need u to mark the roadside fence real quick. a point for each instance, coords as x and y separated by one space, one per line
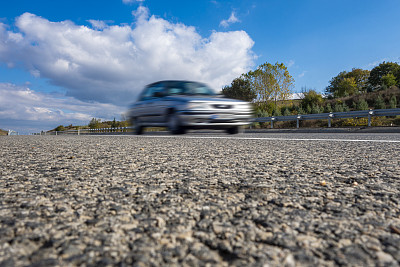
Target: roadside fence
115 130
332 115
322 116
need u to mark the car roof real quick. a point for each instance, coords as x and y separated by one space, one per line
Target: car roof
172 81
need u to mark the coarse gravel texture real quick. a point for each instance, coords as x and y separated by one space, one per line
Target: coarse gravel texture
140 201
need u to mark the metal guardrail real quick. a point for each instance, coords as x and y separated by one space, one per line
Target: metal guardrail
120 130
11 132
332 115
321 116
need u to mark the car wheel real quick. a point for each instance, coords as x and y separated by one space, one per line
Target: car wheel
138 128
174 124
233 130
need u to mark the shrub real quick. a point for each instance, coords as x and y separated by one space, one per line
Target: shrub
315 109
338 108
328 108
60 128
362 105
379 103
262 113
308 109
277 112
286 112
393 102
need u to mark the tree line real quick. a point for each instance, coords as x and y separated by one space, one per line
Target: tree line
270 86
94 124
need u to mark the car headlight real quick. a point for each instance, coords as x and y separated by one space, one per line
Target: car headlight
196 105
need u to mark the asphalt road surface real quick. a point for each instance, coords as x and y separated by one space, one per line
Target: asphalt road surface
202 199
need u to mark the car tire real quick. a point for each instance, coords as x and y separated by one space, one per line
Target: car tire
174 124
137 127
233 130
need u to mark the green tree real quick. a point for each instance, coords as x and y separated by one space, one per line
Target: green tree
393 102
315 109
261 113
328 108
338 108
376 79
286 112
60 128
240 88
362 104
348 83
114 123
308 109
94 123
347 86
389 80
379 103
271 82
300 110
311 97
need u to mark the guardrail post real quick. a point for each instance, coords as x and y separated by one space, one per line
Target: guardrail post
298 122
330 116
79 132
370 113
272 122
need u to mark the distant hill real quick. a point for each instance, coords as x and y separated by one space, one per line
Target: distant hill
2 132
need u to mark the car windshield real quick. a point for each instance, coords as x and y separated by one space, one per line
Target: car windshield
190 88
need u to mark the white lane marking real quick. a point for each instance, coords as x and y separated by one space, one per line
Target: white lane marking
267 138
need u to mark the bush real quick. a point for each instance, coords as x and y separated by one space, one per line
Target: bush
362 105
308 109
315 109
94 123
277 112
262 113
379 103
311 97
393 102
60 128
328 108
286 112
358 122
338 108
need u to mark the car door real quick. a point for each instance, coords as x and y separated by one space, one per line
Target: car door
151 104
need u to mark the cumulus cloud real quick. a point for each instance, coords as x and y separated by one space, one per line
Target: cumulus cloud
98 24
290 63
111 63
301 75
20 103
132 1
232 19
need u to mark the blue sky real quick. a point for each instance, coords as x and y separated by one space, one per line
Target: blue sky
64 62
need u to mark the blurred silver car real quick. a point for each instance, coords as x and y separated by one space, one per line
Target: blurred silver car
182 105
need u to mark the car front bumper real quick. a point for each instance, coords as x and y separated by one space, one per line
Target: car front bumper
213 120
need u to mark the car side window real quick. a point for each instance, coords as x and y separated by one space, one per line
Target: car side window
153 91
175 89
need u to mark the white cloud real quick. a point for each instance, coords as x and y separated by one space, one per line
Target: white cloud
301 75
132 1
19 103
98 24
290 63
232 19
111 63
